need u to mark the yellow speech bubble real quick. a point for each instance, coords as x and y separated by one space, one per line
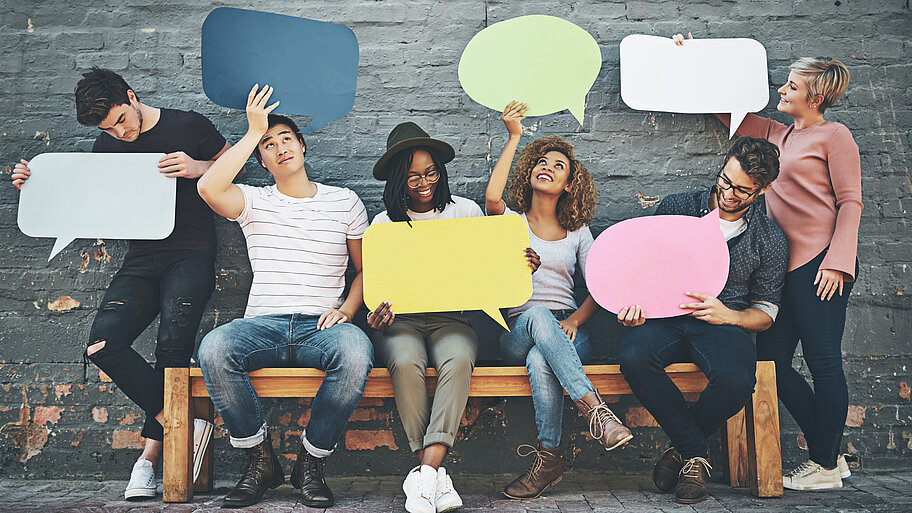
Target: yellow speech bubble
515 60
448 265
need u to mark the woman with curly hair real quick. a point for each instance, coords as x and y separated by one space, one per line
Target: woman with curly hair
554 193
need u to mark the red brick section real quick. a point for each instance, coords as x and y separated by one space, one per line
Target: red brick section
639 417
904 391
856 416
126 439
368 440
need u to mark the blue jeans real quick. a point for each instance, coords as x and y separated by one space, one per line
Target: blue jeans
229 352
726 354
820 412
553 362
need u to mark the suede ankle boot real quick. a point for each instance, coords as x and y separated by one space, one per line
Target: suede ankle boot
262 471
604 425
545 471
307 475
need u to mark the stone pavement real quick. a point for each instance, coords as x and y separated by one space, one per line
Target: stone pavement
578 492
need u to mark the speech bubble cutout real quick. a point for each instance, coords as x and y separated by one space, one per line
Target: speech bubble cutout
515 60
312 65
90 195
651 261
703 76
448 265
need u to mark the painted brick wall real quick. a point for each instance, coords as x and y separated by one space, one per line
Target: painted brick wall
55 424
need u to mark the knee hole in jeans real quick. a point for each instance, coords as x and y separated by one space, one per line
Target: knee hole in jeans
182 310
95 347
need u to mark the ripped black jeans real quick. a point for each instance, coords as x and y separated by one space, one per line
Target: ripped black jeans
175 284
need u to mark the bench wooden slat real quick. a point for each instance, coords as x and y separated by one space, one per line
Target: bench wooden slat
486 381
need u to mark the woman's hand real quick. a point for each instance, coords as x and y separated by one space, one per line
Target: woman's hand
512 117
679 39
257 111
532 258
631 316
570 327
330 318
828 281
21 173
382 317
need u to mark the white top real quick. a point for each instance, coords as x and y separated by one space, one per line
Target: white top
298 247
552 283
460 208
731 229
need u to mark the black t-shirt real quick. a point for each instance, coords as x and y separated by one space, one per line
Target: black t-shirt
195 135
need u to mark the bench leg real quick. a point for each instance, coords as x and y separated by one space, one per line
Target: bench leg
734 443
177 457
202 409
763 443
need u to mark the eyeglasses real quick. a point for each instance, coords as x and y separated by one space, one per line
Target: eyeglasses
431 176
739 192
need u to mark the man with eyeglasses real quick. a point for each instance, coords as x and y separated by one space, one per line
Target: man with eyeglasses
714 333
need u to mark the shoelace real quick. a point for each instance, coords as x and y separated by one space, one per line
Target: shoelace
447 485
598 417
537 465
805 468
690 468
314 471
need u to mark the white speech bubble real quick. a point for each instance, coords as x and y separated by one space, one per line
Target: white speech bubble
91 195
704 76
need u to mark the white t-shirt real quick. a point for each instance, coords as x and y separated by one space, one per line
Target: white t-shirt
552 283
460 208
298 247
731 229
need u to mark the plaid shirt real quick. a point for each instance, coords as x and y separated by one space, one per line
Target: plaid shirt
758 256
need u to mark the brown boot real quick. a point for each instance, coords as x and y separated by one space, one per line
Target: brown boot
262 471
545 471
666 471
691 485
603 423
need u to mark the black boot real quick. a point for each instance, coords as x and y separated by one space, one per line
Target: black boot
308 476
262 471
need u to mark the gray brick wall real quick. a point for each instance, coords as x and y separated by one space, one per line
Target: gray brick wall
54 424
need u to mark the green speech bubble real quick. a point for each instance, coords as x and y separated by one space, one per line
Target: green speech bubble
544 61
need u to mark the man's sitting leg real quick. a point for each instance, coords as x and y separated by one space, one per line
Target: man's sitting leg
226 355
345 353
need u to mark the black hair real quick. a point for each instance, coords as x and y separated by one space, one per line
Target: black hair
97 93
758 158
278 119
395 195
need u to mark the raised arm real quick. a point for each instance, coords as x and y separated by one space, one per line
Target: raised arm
215 187
512 117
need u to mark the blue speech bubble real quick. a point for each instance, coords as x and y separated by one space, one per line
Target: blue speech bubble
312 65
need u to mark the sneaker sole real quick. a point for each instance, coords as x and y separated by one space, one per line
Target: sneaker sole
139 494
845 475
447 509
199 453
821 486
622 442
558 480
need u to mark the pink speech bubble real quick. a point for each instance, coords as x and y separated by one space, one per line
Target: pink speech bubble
651 261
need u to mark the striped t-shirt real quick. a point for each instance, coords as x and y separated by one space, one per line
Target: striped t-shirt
297 247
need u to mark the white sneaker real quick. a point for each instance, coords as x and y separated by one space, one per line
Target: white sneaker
202 433
420 487
446 498
142 481
843 467
811 476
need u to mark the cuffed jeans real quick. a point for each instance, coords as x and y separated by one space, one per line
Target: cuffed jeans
820 412
175 284
554 364
449 342
725 354
230 351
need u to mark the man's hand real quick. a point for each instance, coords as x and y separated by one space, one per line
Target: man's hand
20 174
631 316
570 327
828 281
679 39
180 165
258 111
330 318
382 317
534 262
711 310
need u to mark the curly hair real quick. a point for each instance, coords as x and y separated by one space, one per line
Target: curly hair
758 158
574 208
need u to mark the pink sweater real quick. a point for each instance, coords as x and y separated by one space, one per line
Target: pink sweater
816 199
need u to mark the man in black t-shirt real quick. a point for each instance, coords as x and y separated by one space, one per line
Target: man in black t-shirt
174 277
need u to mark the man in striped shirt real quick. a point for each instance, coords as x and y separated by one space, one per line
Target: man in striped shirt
300 236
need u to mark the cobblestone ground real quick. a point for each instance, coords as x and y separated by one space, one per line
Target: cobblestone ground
578 492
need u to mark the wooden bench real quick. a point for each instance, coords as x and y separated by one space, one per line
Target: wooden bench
752 436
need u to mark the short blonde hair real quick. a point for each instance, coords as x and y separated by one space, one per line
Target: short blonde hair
826 77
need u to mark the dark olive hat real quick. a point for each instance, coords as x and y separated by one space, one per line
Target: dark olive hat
408 135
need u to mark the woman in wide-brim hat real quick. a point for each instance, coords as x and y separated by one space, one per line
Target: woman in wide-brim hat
414 168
